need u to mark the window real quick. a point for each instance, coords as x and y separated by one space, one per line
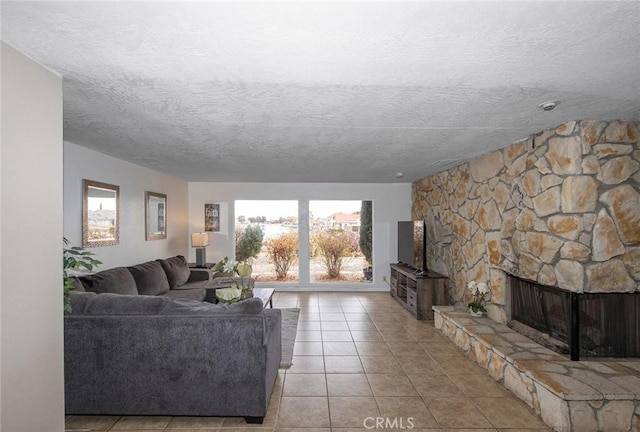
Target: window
267 234
340 241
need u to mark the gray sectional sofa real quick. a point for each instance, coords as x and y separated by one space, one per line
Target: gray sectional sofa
169 277
139 354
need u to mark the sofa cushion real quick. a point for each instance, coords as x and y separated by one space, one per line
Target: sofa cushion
177 270
117 304
249 306
78 286
117 280
189 294
79 300
150 278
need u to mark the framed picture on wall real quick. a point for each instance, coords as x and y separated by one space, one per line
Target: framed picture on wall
156 216
212 217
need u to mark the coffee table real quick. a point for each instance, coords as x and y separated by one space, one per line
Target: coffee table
264 294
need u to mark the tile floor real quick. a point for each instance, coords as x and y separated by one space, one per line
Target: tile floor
359 359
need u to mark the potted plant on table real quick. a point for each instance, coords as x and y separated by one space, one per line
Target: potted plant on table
241 286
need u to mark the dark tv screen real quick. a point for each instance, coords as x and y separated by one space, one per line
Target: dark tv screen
411 244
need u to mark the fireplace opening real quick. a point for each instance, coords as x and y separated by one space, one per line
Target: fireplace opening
581 325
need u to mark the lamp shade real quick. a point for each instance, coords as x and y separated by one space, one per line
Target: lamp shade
200 239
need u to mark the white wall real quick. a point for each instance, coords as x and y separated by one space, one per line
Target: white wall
82 163
391 203
31 344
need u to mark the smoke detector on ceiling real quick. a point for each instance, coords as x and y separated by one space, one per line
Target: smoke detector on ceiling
548 106
399 174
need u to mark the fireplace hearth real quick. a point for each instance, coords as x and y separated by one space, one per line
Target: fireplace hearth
591 325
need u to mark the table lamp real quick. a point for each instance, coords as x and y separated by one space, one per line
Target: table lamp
200 241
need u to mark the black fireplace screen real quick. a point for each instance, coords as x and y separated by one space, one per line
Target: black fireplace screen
606 325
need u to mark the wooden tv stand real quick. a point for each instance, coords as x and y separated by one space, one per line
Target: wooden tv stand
418 293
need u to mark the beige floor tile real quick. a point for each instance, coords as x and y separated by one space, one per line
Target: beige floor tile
479 386
339 348
433 386
478 430
354 309
460 366
332 317
302 412
305 385
303 429
456 413
348 385
419 365
380 364
246 428
378 316
371 427
195 423
141 422
335 325
90 422
308 317
391 385
306 364
397 336
352 411
366 336
508 413
137 430
343 364
308 325
428 336
325 310
410 410
307 348
362 326
357 317
440 349
545 429
336 336
406 348
373 349
309 336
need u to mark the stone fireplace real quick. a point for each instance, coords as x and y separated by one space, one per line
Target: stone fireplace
561 209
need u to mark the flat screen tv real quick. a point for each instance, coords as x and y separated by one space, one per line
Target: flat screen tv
412 245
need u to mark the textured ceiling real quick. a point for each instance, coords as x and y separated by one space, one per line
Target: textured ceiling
326 92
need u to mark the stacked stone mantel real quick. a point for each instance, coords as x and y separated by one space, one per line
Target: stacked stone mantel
561 208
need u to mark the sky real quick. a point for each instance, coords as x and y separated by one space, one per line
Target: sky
282 208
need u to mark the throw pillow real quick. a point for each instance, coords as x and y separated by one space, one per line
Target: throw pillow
116 280
150 278
177 270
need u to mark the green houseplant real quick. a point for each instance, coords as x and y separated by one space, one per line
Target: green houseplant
479 291
74 258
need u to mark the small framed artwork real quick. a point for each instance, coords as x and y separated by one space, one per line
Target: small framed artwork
212 217
156 216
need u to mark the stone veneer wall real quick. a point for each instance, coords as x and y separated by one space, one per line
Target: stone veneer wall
561 208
